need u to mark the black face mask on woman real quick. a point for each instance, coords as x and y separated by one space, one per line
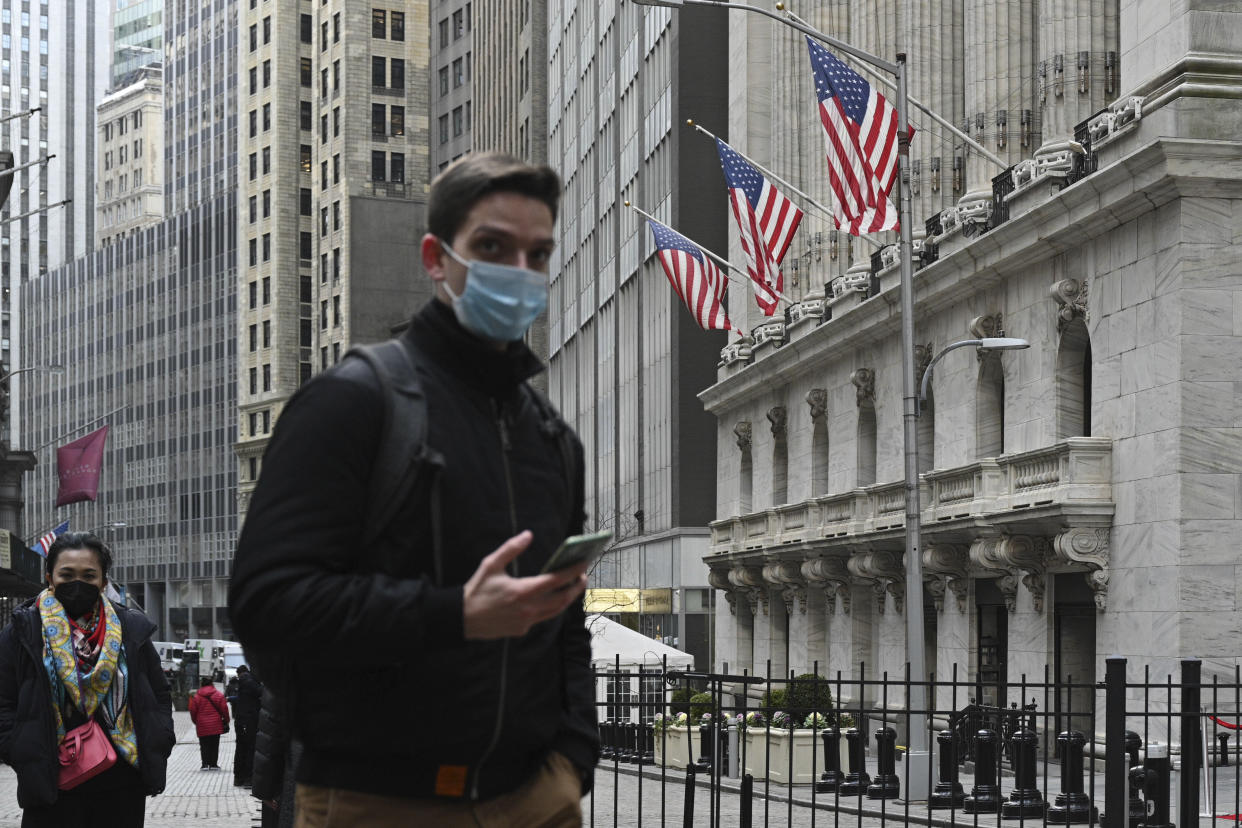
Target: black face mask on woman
77 597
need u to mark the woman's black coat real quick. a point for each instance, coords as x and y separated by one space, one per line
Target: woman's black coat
27 726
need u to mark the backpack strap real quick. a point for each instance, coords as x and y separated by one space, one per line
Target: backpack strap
403 435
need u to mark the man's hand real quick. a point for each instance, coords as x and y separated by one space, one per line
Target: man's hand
497 605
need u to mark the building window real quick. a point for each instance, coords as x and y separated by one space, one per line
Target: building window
1073 382
377 165
267 203
397 73
267 30
307 73
336 169
267 257
254 37
267 290
254 338
990 407
398 25
444 33
254 209
398 167
444 81
377 71
267 333
443 129
459 75
323 36
267 160
377 119
866 445
323 223
323 315
323 175
323 268
396 120
336 76
306 117
254 166
336 121
336 311
336 28
267 376
254 295
379 23
336 215
459 25
323 82
254 389
306 201
254 123
305 244
267 74
457 122
336 264
305 153
254 79
323 128
267 117
308 29
254 258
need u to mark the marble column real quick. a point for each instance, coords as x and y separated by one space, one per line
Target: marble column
1077 66
1000 44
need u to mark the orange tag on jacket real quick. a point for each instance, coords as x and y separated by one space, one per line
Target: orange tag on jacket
451 780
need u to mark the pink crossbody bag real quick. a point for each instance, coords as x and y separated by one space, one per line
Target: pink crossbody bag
86 752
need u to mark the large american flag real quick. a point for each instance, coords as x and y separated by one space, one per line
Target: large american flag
694 276
861 131
767 220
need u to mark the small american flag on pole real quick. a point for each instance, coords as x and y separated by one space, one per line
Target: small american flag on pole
45 542
861 131
767 221
694 276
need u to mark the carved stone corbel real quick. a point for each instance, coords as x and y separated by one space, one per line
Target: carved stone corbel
786 576
922 358
742 432
947 565
830 575
1071 298
1028 554
778 418
749 582
718 578
864 385
983 327
884 572
1008 585
1087 547
988 562
817 399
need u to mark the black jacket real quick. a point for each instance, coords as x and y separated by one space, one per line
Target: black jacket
28 726
246 700
386 688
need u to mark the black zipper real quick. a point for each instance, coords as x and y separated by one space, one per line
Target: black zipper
505 447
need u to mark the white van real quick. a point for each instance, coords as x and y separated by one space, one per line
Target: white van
233 658
170 656
210 655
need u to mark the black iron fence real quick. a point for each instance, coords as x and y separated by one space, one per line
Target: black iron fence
711 749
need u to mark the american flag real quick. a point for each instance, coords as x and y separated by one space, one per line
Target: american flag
694 276
767 220
861 131
45 542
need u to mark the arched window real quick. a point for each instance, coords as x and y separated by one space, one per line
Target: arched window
866 443
746 471
927 433
780 456
990 408
1073 381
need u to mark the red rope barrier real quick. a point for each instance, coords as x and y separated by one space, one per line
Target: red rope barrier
1224 724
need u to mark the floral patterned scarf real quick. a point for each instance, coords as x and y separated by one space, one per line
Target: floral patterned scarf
98 688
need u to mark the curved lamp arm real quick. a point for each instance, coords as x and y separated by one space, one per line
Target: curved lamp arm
993 343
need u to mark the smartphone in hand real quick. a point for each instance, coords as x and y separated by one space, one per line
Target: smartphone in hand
577 548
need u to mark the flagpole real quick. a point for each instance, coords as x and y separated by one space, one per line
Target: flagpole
805 28
690 122
719 259
84 425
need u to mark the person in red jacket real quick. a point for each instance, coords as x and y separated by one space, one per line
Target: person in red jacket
210 714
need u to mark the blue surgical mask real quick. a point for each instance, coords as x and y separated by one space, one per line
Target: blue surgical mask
499 302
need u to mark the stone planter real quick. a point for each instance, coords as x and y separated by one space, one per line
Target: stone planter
755 756
670 747
804 745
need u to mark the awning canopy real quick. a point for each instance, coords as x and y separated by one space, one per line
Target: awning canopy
610 640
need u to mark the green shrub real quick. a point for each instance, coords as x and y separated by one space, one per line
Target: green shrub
680 701
806 695
774 700
700 703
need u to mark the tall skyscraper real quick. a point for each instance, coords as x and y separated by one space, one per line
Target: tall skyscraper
146 331
333 181
452 75
626 358
137 37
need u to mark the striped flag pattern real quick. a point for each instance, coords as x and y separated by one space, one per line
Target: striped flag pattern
860 127
767 221
694 276
45 542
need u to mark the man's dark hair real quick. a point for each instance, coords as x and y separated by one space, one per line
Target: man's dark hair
468 179
79 540
206 682
242 668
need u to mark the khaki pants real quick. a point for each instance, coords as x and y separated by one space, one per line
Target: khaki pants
552 799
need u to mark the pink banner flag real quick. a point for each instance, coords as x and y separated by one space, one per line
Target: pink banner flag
78 465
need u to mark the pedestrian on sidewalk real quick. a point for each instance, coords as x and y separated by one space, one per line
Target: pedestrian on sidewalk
380 575
245 701
69 657
210 714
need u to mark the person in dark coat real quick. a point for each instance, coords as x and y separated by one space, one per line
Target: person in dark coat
276 755
246 699
67 656
210 714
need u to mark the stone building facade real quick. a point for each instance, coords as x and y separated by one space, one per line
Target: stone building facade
1079 498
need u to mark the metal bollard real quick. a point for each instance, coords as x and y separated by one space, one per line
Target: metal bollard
985 795
886 784
1153 778
1138 811
1223 738
646 740
1025 800
832 775
948 792
747 797
605 739
735 751
687 812
857 780
704 762
1072 806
